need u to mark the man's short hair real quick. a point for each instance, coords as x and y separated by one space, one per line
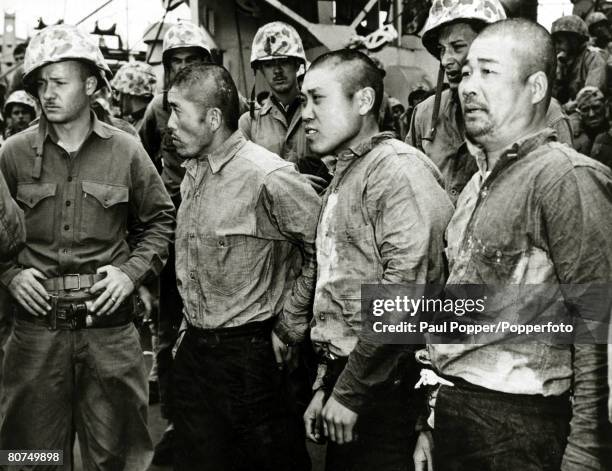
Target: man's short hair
20 49
533 43
211 86
357 71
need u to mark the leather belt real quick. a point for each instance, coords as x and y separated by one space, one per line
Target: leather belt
228 333
72 282
75 316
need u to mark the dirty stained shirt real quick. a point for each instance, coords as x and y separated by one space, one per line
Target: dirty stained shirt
541 217
382 221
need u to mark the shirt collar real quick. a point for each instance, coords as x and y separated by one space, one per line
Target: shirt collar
266 106
272 101
519 149
365 146
222 155
46 131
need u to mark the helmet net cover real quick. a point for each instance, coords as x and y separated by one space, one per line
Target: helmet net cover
59 43
276 40
135 78
184 35
444 12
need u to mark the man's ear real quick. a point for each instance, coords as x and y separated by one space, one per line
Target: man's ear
538 84
215 118
91 84
365 100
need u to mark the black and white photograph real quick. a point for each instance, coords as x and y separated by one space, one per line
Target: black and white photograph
305 235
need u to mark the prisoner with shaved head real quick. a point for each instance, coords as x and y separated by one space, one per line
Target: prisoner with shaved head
451 27
245 269
536 213
383 220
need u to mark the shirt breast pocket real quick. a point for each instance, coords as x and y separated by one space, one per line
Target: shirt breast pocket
358 245
498 265
104 211
226 263
38 203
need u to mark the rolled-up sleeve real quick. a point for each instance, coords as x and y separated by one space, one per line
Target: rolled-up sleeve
294 208
577 212
152 219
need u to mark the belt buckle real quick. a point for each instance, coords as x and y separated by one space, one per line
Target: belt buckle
72 275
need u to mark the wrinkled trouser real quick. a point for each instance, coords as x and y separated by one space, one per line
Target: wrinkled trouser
485 430
232 408
90 381
385 427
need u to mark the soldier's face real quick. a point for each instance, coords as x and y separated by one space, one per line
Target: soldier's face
601 30
20 116
566 46
593 113
131 103
280 74
494 97
332 119
453 44
190 132
64 91
182 57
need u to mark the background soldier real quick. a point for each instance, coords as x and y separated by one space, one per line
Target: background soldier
183 44
450 29
74 361
246 218
590 119
19 111
135 84
17 76
599 29
277 52
578 65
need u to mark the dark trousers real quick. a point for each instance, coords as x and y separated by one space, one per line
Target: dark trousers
232 409
484 430
169 319
89 381
385 429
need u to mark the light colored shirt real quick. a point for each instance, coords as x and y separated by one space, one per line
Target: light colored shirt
245 239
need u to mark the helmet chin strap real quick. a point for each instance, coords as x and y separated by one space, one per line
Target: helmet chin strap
436 108
252 102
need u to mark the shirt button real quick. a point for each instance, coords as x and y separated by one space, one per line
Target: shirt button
453 192
66 227
69 179
68 203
